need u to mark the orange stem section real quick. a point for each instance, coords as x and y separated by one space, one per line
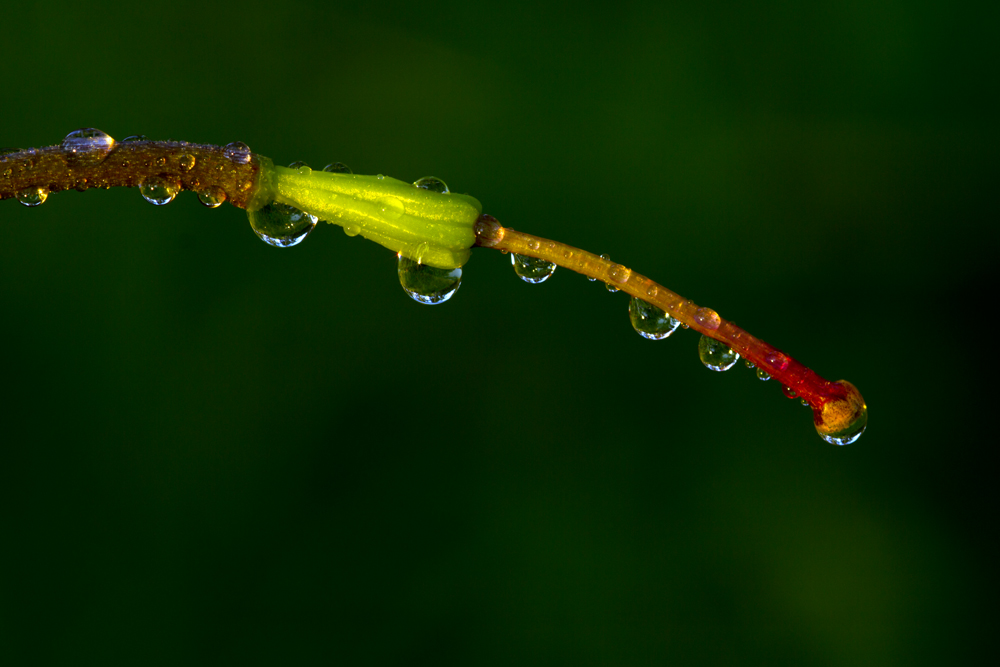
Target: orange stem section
833 403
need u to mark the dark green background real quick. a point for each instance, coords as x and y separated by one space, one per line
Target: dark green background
215 451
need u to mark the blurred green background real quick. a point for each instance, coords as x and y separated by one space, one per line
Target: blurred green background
218 451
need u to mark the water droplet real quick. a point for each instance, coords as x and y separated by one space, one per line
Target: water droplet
186 162
237 152
619 274
849 434
763 375
777 360
531 269
652 291
160 161
133 137
87 146
159 190
803 402
282 225
7 172
707 318
390 208
352 230
650 321
81 185
33 196
433 184
789 392
212 196
337 168
380 177
749 364
716 356
428 284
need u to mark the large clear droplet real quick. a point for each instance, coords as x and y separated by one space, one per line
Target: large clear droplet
428 284
238 152
159 190
531 269
33 196
433 184
87 146
849 434
649 321
715 355
282 225
212 196
337 168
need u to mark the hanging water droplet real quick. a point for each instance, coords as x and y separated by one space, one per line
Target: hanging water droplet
391 208
133 137
282 225
428 284
237 152
159 190
789 392
531 269
716 356
763 375
649 321
352 230
337 168
849 434
87 146
433 184
749 364
707 318
803 402
33 196
186 162
212 196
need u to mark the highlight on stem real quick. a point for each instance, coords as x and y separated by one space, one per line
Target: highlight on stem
431 229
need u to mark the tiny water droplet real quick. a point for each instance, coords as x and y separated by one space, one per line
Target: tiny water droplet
749 364
533 244
763 375
282 225
237 152
7 172
803 402
707 318
87 146
159 190
789 392
428 284
391 208
133 137
352 230
777 360
160 161
33 196
607 257
81 185
531 269
212 196
186 162
337 168
716 356
380 177
433 184
652 291
649 321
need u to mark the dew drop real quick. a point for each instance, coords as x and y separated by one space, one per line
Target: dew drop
212 196
352 230
652 291
716 356
303 168
337 168
789 392
237 152
803 402
391 208
707 318
428 284
777 359
849 434
531 269
87 146
650 321
433 184
33 196
619 274
186 162
159 190
380 177
281 225
133 137
763 375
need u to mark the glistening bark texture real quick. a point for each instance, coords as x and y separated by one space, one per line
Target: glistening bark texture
194 166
